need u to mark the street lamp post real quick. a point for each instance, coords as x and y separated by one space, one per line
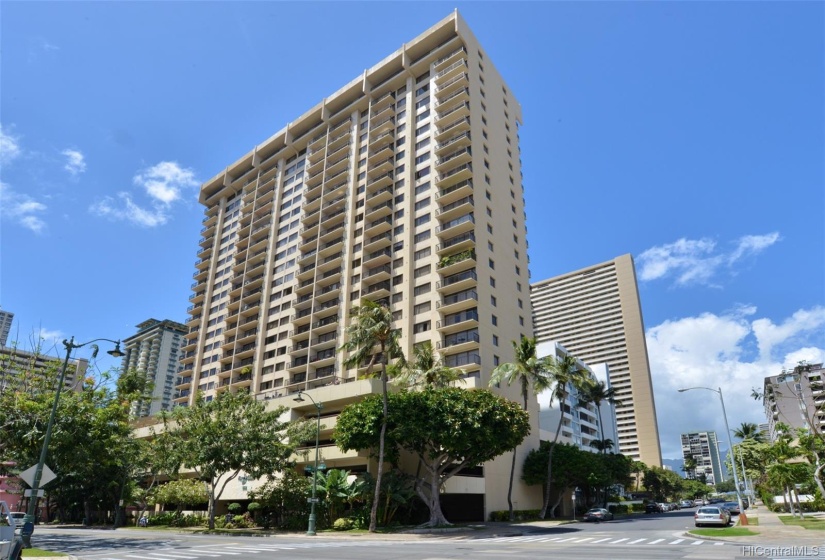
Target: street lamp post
38 473
743 519
312 501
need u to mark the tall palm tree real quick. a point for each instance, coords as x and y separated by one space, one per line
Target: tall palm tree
596 394
370 338
690 467
426 369
749 430
563 373
603 445
526 370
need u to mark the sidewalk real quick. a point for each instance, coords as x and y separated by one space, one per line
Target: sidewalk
771 530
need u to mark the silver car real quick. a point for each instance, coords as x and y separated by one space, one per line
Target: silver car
711 515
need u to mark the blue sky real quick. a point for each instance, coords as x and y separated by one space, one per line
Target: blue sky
687 134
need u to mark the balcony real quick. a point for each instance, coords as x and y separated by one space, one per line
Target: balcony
460 281
381 166
377 291
453 143
380 196
457 243
383 102
378 211
380 181
451 129
462 359
459 156
378 227
379 154
453 111
445 102
455 192
197 296
377 258
458 321
454 69
377 242
450 58
381 140
455 175
383 272
457 262
456 226
459 341
382 125
456 208
457 81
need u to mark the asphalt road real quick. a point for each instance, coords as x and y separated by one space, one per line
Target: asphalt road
655 536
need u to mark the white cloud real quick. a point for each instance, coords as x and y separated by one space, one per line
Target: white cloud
716 351
129 211
9 147
21 208
697 261
75 162
164 181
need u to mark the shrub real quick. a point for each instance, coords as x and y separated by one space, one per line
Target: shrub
519 514
234 508
343 524
618 508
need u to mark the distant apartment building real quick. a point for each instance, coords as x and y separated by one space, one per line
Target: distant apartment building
403 187
18 368
580 423
596 314
703 449
6 318
155 351
795 398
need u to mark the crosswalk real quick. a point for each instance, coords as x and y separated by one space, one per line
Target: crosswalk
613 540
234 550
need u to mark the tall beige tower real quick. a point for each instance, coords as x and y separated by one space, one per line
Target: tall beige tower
596 314
403 187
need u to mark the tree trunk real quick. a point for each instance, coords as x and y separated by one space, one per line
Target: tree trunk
818 481
211 509
549 484
512 516
789 500
798 503
436 515
379 475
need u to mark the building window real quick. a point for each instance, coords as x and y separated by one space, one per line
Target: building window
492 282
495 321
493 301
496 360
422 308
495 340
422 289
424 326
491 263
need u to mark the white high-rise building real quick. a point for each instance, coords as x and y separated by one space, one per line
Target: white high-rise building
155 351
6 318
703 448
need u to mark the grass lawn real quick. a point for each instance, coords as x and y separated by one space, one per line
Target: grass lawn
724 532
813 523
39 553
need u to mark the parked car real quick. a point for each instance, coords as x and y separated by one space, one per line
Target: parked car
686 504
699 502
711 515
597 514
732 507
653 507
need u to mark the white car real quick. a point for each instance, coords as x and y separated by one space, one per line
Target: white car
711 515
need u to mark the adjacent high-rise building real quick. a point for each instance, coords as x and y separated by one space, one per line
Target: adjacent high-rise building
795 398
19 367
403 187
595 313
702 450
6 318
155 352
586 425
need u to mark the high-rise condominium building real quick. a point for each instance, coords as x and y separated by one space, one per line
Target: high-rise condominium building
403 187
155 351
18 368
795 397
703 449
583 424
6 318
596 314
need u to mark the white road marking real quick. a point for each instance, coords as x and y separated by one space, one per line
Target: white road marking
696 542
637 541
656 541
677 541
583 540
601 540
619 540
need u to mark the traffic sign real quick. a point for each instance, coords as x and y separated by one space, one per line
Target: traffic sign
45 477
313 500
28 493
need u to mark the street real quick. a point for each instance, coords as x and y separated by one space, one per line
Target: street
653 536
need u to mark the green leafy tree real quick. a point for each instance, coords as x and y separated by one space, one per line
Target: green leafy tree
283 501
527 371
689 467
180 493
370 339
562 373
453 429
233 433
597 393
749 430
665 485
426 369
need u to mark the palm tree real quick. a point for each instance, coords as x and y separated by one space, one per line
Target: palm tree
749 430
562 373
425 369
526 370
603 445
637 468
690 467
371 327
596 394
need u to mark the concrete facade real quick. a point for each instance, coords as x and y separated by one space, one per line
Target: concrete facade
6 318
704 448
155 352
795 397
403 187
18 367
596 314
